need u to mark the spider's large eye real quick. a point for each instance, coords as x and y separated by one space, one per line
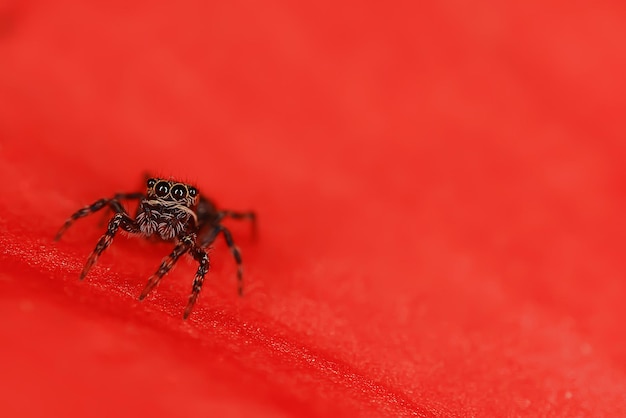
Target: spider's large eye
179 192
151 182
162 189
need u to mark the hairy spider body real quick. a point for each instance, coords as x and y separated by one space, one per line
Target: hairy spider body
170 211
167 219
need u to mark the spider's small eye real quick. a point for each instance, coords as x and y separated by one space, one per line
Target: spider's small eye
151 182
162 189
193 192
179 192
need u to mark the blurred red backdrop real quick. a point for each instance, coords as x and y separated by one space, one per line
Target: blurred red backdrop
440 191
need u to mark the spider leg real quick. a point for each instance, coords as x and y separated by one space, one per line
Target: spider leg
202 258
113 203
121 196
208 240
130 196
166 265
241 215
210 237
120 219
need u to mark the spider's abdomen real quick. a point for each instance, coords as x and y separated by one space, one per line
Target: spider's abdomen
165 219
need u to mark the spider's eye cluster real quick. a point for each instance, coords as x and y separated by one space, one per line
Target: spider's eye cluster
162 189
171 191
179 192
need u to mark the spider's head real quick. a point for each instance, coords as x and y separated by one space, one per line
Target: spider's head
171 191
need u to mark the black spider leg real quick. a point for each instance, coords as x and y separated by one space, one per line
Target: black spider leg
166 265
241 215
113 203
202 258
208 240
121 219
122 196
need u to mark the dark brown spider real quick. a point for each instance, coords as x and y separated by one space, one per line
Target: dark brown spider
168 211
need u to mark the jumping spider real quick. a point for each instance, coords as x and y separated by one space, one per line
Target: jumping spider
168 211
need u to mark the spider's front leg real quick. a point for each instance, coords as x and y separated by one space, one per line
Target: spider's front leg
119 197
121 219
166 265
186 244
113 203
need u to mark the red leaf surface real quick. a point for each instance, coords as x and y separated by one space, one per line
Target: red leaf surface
440 191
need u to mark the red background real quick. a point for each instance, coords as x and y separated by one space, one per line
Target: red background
440 192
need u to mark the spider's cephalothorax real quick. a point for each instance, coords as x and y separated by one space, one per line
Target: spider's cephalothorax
167 209
170 211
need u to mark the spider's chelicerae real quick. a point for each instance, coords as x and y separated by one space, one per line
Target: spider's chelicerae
169 211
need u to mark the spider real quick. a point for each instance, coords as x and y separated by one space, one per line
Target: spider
168 211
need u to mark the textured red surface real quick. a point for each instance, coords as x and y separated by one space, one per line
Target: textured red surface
440 191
